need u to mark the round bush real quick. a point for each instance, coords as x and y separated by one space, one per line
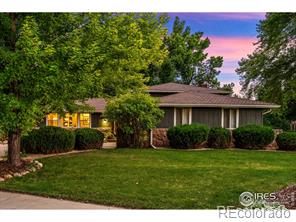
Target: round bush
253 136
87 138
219 138
187 136
286 141
48 139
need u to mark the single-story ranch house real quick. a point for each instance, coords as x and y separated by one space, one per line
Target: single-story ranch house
183 104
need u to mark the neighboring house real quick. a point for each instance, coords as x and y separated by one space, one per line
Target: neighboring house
183 104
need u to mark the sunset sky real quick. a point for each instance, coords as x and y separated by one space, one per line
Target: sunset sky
231 34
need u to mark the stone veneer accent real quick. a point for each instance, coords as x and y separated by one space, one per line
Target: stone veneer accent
160 138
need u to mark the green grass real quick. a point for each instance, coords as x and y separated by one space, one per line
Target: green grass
170 179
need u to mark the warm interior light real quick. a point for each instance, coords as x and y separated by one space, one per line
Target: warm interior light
104 123
84 120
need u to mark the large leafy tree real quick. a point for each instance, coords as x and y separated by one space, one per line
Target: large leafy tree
121 46
269 73
187 61
48 62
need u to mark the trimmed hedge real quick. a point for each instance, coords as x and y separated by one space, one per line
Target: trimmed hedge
87 138
187 136
286 141
48 139
219 138
253 136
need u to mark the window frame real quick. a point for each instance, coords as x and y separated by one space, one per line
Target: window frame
48 120
81 121
230 118
68 115
183 110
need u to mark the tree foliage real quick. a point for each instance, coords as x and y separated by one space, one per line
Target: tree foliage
48 62
187 61
118 47
227 87
269 73
134 115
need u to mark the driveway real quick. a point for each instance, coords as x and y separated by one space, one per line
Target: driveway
23 201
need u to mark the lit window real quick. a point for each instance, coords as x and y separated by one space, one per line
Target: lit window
53 119
84 120
70 120
182 116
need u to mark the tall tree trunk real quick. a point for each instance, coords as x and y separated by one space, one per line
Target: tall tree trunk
14 143
14 136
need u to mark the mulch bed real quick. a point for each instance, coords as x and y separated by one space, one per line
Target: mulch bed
6 168
287 197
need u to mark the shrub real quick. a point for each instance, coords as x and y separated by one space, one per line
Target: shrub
286 141
219 138
253 136
276 121
87 138
134 114
48 139
187 136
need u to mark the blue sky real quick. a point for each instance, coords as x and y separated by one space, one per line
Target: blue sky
231 34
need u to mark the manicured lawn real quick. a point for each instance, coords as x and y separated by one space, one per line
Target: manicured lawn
159 179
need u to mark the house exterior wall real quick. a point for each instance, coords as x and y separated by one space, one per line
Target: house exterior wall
168 118
208 116
95 118
249 116
212 117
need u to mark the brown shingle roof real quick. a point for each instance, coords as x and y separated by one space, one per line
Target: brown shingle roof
98 103
177 87
198 99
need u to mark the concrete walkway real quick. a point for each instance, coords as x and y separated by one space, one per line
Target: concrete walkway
10 200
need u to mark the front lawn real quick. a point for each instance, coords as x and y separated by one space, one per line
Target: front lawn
170 179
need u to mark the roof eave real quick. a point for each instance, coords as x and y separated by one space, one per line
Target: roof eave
164 91
219 105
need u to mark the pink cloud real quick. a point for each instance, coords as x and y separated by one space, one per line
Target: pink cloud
220 16
231 48
238 16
